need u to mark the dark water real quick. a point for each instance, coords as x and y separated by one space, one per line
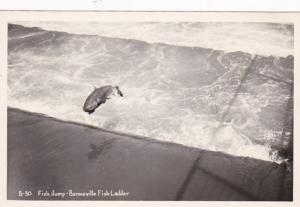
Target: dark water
234 102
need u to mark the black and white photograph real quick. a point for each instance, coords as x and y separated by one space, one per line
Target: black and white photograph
150 110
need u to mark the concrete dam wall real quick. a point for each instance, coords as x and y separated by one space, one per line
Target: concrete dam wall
49 159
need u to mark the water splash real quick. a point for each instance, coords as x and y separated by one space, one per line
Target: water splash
178 94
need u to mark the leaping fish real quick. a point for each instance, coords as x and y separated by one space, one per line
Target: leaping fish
99 96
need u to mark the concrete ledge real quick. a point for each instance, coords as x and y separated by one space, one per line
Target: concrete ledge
46 154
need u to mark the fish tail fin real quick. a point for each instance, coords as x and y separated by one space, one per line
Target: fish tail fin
119 92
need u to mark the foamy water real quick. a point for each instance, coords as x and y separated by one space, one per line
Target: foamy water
256 38
185 95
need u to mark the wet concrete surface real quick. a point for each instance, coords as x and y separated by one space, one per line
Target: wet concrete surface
49 156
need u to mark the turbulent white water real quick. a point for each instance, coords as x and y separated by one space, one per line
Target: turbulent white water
189 95
255 38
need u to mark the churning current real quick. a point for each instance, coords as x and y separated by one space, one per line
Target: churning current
230 101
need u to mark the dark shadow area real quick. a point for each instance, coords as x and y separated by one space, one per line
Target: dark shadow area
99 149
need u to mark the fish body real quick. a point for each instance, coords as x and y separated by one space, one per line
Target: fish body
98 97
